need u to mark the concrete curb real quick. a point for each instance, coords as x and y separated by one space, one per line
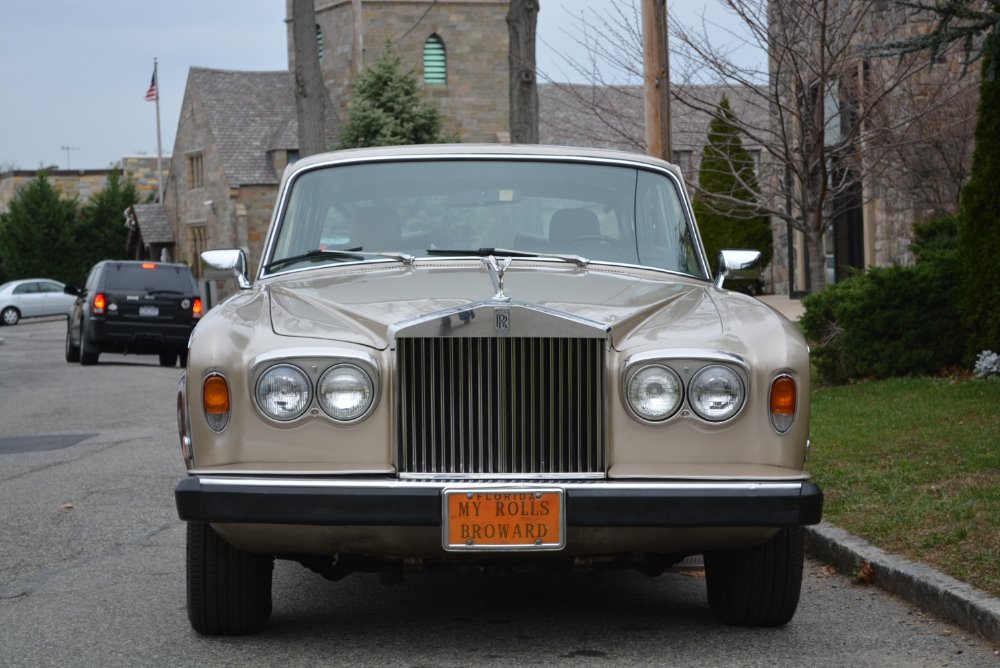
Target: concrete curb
939 594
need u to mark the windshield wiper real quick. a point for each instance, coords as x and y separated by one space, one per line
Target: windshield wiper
348 254
507 252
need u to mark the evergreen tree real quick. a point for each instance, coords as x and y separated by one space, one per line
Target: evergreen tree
36 233
979 219
100 233
725 204
386 110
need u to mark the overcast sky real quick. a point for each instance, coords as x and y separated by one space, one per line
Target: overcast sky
73 73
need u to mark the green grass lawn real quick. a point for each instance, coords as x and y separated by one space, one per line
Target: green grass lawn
913 466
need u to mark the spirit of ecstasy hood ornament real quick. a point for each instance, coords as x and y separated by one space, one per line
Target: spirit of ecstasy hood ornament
497 269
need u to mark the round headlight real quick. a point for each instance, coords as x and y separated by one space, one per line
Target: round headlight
345 392
716 393
283 392
654 392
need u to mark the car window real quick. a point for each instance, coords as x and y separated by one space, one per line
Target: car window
26 288
603 212
146 277
49 286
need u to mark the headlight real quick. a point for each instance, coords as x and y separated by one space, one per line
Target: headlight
283 392
654 392
345 392
716 393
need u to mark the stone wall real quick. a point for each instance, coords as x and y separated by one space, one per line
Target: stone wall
143 172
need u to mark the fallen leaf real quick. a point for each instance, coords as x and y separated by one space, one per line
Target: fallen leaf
67 505
866 575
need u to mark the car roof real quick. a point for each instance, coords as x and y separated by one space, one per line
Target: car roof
508 151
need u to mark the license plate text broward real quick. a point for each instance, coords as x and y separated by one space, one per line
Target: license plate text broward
503 520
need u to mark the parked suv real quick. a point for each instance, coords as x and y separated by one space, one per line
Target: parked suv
142 308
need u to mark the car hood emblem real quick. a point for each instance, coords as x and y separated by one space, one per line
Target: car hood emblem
497 268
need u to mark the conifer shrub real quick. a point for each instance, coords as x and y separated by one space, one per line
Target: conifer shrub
891 321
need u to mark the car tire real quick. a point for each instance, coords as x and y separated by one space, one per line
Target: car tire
168 359
10 316
88 351
228 590
757 586
182 356
72 349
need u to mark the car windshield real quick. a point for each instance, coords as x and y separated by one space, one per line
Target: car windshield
604 213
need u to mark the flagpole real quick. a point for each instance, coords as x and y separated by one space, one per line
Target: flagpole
159 145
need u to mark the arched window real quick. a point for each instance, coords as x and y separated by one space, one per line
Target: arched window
435 63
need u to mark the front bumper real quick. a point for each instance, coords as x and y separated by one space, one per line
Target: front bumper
389 502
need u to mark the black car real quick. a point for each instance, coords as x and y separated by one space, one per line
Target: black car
142 308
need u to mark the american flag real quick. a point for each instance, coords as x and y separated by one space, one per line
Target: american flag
151 94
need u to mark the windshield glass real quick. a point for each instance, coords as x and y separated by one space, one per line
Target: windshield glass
601 212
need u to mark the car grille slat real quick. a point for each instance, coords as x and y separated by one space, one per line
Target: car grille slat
500 406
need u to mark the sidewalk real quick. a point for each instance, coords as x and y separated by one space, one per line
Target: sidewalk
788 307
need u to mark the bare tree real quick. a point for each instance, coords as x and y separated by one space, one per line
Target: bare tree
312 99
522 17
828 117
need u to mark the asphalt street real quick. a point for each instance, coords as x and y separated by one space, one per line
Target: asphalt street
92 566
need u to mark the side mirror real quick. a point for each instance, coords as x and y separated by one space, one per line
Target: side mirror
223 264
72 290
738 264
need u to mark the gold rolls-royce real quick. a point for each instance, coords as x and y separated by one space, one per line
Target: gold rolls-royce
463 354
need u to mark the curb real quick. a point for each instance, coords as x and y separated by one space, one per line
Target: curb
935 592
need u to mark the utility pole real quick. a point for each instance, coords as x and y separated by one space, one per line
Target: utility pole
68 149
522 20
656 78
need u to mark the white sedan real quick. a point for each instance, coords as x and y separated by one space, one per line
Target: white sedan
33 298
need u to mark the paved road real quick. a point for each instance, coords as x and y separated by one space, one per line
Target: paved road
92 571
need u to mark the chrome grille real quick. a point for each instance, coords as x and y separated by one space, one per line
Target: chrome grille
504 406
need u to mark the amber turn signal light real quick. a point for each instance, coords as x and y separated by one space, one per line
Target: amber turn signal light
215 401
782 403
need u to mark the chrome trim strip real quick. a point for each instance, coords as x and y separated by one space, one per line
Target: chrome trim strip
520 477
305 483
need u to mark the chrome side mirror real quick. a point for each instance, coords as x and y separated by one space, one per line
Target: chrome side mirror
738 264
223 264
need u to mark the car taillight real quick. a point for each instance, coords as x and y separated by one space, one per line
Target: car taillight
100 302
148 265
196 308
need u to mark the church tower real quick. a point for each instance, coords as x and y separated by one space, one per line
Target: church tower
457 49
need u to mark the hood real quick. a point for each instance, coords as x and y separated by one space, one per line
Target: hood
359 303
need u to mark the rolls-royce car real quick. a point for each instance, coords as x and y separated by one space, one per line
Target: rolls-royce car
491 357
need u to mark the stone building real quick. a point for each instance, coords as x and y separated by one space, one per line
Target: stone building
457 48
79 183
236 134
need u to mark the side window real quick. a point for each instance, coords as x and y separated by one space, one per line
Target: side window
26 288
435 62
196 171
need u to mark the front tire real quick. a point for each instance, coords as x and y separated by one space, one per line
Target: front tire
10 316
72 349
228 590
757 586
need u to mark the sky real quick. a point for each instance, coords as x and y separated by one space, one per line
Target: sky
74 73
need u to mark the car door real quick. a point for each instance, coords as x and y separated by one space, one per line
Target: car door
29 300
52 299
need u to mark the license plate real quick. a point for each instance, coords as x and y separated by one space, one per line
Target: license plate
149 311
504 519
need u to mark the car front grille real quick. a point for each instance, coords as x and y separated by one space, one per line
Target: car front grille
500 406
